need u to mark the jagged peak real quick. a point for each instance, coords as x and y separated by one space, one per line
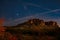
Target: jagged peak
39 22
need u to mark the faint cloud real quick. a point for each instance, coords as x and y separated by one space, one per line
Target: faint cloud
23 19
36 5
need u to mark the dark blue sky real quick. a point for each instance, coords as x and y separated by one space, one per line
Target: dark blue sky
13 9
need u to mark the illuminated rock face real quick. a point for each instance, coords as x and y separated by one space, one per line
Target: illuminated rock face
33 21
36 22
51 23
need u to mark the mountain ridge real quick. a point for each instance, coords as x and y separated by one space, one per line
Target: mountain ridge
36 24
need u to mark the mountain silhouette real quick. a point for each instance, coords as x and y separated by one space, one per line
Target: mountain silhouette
35 25
36 28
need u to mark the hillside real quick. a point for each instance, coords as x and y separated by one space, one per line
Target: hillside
37 28
36 25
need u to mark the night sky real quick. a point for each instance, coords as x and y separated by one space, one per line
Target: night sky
20 9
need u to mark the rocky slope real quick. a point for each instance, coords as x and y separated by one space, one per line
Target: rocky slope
36 27
36 24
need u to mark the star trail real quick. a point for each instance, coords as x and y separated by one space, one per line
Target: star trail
17 9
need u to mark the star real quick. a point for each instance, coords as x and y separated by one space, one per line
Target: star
17 14
25 8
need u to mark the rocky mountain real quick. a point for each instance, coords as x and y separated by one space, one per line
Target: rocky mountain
36 25
36 29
